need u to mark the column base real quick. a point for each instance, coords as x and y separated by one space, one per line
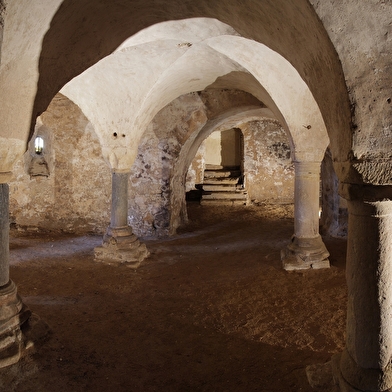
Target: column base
352 378
19 328
320 377
121 246
305 253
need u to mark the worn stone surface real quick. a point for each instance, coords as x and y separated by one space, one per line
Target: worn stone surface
196 169
320 377
13 314
157 182
269 173
76 195
125 250
366 63
305 253
267 167
218 102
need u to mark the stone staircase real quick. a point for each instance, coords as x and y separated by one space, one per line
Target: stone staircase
221 186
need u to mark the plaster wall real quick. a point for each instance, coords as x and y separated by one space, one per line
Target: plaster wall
231 147
213 147
80 34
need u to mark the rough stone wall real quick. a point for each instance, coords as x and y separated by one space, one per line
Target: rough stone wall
363 42
157 178
76 195
269 173
218 101
196 169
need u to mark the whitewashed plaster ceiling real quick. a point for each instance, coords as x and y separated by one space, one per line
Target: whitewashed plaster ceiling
122 93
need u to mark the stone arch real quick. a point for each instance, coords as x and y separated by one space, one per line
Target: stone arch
69 42
235 61
231 119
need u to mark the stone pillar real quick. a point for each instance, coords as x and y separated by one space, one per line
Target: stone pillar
119 244
4 235
13 313
365 364
306 249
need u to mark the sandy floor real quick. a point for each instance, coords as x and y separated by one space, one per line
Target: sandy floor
210 310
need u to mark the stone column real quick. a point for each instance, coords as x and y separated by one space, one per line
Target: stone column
306 249
365 364
119 244
13 313
4 235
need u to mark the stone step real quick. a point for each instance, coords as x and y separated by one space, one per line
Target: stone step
224 196
219 187
221 173
212 202
221 181
220 167
213 167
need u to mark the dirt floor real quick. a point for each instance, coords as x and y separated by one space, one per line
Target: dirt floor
210 310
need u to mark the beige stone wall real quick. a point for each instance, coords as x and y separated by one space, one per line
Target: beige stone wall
76 195
269 173
223 148
268 170
213 155
157 182
196 169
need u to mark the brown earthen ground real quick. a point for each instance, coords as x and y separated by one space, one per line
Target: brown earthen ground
210 310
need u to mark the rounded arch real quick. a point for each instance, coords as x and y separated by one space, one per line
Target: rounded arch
120 97
233 118
77 34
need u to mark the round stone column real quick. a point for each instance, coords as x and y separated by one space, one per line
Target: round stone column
13 313
4 235
306 249
119 244
365 364
119 210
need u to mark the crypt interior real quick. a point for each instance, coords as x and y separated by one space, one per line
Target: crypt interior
195 195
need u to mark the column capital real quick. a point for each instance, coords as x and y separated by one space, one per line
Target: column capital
309 156
307 168
5 177
365 192
364 172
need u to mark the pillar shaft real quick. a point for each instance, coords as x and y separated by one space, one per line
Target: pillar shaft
306 199
13 313
119 244
366 361
4 234
119 210
306 249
